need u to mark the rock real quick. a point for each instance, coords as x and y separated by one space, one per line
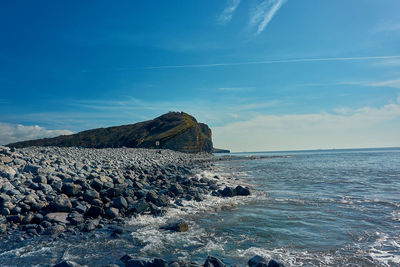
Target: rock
40 179
67 264
91 225
213 262
159 263
37 218
90 195
176 189
139 207
96 184
7 172
14 218
94 211
71 189
136 263
120 203
257 261
61 204
3 228
75 218
242 191
274 263
126 258
174 264
31 168
178 226
151 196
228 192
58 217
55 230
112 212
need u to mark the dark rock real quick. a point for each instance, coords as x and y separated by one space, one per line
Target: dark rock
94 211
112 212
159 263
14 218
71 189
242 191
176 189
178 226
151 196
257 261
75 218
274 263
228 192
120 203
37 218
61 204
90 195
67 264
213 262
162 201
139 207
136 263
126 258
174 264
41 179
96 184
91 225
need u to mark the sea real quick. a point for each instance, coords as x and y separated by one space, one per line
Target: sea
308 208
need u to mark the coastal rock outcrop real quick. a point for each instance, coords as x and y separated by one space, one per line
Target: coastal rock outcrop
177 131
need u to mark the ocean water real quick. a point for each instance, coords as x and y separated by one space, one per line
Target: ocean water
308 208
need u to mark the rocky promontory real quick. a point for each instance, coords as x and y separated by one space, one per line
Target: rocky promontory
177 131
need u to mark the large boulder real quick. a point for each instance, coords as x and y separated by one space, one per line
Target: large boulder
61 203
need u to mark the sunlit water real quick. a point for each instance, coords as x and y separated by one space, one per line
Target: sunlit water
317 208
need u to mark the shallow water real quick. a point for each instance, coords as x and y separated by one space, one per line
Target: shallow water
318 208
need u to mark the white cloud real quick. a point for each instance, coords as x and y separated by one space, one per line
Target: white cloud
366 127
264 12
393 83
228 12
10 133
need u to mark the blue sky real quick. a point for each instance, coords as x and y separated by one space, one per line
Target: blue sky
264 75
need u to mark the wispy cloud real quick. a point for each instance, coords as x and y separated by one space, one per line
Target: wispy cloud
235 89
278 61
17 132
392 83
228 12
387 27
263 14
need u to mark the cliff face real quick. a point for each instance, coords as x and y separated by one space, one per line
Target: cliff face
174 130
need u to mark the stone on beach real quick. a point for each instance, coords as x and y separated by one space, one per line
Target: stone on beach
178 226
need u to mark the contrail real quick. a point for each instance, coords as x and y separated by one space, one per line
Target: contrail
272 62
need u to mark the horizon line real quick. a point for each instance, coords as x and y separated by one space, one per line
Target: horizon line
295 60
316 149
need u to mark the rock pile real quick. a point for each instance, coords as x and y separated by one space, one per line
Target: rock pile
52 190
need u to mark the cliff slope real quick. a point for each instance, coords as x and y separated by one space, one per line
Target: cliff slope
174 130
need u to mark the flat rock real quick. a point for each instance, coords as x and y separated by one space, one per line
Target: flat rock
59 217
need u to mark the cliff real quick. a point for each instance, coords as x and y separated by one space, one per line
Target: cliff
174 130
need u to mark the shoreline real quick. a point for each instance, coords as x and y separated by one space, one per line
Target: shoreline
59 192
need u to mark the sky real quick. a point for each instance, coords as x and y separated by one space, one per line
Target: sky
264 75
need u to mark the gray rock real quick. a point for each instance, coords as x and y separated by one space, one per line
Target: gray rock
58 217
112 212
139 207
120 203
61 204
96 184
213 262
91 225
178 226
3 228
71 189
159 263
90 195
55 230
152 196
257 261
136 263
7 172
176 189
40 179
